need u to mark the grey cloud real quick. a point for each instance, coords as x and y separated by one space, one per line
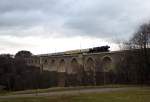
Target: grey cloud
98 18
108 19
23 5
24 15
20 18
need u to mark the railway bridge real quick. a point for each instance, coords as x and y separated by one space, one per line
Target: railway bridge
73 69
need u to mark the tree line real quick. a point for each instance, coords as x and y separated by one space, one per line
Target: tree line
15 74
135 67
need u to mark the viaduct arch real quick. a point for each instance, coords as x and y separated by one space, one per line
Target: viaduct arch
75 66
61 73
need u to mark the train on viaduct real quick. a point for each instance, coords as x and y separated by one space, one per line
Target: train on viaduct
74 66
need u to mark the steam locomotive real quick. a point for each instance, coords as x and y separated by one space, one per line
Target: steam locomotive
99 49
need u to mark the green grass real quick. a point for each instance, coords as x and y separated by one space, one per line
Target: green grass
136 95
55 89
3 92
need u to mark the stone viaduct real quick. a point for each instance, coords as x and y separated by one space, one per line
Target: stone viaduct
93 65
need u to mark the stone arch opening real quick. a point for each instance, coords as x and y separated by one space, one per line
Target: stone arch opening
107 64
52 65
107 70
62 66
90 72
90 64
52 62
62 73
74 73
74 66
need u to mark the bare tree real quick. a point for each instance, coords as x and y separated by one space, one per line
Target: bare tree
140 42
141 38
136 63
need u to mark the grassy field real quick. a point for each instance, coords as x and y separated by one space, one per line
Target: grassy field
138 95
54 89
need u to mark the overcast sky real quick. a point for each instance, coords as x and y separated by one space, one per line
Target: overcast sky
45 26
